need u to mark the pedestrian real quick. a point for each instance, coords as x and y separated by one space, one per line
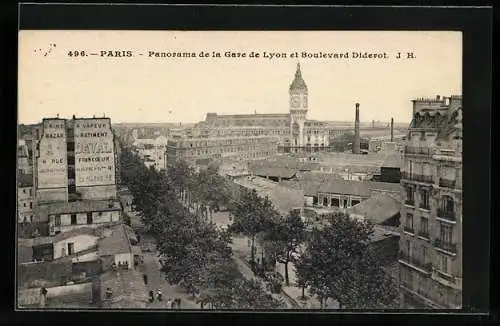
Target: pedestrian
151 296
172 304
169 303
178 302
158 293
145 277
43 291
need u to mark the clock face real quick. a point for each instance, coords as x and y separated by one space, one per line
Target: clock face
295 102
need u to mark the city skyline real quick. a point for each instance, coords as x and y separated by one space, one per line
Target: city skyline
140 89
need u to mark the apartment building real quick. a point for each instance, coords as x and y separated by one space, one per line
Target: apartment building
430 256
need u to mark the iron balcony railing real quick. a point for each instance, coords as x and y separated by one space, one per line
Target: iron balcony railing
410 202
423 234
409 229
445 276
417 177
418 150
446 214
415 261
447 183
447 246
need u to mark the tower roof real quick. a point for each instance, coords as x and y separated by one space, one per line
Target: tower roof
298 83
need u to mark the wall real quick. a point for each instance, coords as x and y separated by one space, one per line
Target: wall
52 166
49 273
390 175
52 195
81 219
90 257
25 197
98 192
32 296
387 249
94 152
81 242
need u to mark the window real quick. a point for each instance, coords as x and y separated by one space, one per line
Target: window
443 262
71 248
409 222
424 199
24 204
30 192
424 226
447 204
73 219
89 218
24 191
445 234
409 196
31 205
57 221
408 248
31 218
424 254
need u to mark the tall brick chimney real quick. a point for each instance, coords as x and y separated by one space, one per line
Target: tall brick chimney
356 145
392 130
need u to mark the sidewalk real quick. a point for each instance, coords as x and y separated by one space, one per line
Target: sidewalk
156 280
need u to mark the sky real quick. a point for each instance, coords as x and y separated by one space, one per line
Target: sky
144 89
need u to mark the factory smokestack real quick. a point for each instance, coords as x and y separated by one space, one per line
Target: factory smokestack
392 130
356 145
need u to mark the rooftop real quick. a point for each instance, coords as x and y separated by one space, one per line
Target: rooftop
393 161
83 206
84 230
345 187
377 209
283 198
115 241
285 173
381 234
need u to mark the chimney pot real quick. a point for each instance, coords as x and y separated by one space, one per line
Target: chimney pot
437 97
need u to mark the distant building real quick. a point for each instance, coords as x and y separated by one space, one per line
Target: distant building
23 158
65 216
294 132
25 198
431 217
221 149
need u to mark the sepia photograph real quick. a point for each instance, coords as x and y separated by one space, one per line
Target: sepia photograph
239 170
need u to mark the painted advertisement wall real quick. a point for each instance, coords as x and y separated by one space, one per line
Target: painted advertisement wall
52 163
94 152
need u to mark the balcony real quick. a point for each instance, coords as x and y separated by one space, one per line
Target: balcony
418 151
447 183
410 202
446 214
424 206
446 277
417 177
409 229
449 247
423 234
426 267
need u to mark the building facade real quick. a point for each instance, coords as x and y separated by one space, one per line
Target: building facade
431 218
25 198
75 160
221 149
294 131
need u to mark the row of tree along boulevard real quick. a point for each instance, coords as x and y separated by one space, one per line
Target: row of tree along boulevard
334 261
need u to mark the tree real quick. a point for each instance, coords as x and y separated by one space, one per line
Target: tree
304 272
251 216
344 266
286 235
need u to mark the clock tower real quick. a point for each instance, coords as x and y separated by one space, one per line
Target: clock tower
298 110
